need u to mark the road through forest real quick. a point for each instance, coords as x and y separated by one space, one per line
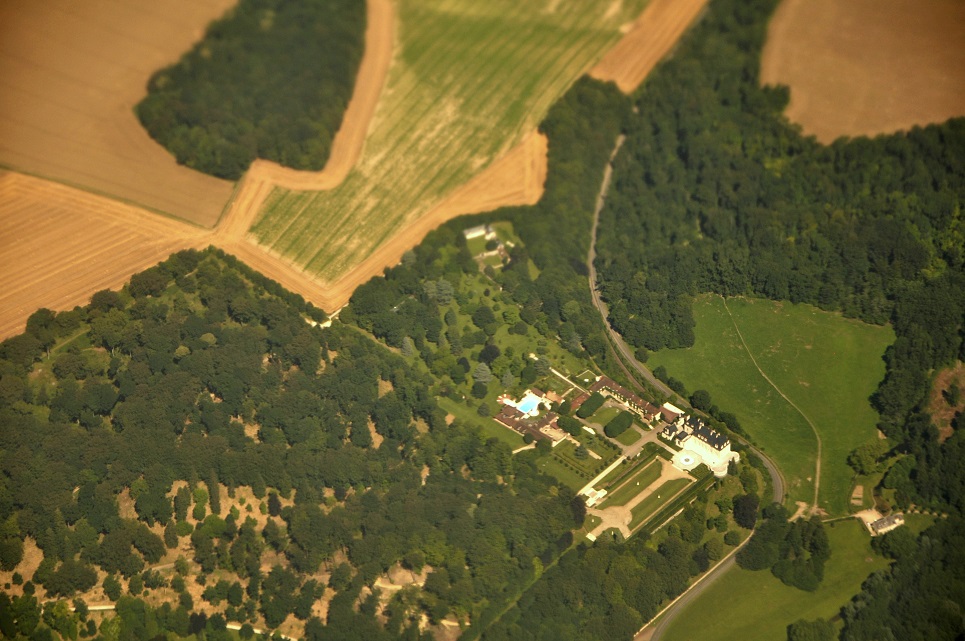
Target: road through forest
668 614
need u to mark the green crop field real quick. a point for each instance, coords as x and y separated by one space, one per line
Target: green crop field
758 607
826 364
469 79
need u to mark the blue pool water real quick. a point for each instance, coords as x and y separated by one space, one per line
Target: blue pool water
528 404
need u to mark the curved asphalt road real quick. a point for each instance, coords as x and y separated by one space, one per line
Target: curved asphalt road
654 633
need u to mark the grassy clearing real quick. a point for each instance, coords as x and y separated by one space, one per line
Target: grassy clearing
488 427
604 415
827 365
640 481
468 81
565 475
648 506
630 437
759 607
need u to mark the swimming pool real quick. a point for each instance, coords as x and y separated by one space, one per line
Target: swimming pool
529 403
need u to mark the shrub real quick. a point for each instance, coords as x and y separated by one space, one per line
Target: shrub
620 423
590 405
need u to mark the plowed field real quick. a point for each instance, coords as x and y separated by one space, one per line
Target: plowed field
60 245
868 66
70 75
651 37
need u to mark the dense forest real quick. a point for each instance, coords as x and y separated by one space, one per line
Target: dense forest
715 191
269 80
195 383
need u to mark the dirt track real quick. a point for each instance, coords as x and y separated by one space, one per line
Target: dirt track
868 66
70 75
650 38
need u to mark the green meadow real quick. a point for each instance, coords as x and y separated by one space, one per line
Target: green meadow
827 365
469 79
755 606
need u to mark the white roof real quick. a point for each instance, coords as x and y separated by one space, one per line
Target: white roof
672 408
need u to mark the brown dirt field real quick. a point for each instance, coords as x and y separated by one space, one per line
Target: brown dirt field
941 412
650 38
70 75
864 67
60 245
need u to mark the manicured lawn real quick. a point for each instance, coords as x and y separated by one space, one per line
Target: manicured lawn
630 437
590 466
918 523
648 506
755 606
552 466
638 482
826 364
604 415
469 79
476 245
617 472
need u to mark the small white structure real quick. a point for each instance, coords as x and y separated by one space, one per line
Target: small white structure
479 230
594 496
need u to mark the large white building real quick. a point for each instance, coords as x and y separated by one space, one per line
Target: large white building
712 447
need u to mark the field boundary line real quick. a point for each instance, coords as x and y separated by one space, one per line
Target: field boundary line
817 436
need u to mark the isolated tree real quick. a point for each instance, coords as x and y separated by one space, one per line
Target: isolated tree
746 509
482 374
700 399
817 630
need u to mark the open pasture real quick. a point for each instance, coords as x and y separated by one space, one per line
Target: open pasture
467 83
827 365
760 607
865 67
89 243
70 75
